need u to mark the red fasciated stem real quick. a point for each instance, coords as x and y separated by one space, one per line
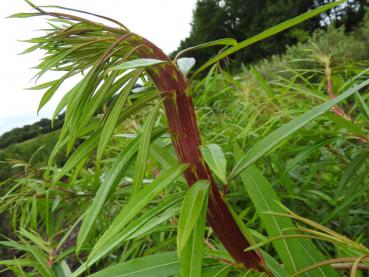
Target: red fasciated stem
185 135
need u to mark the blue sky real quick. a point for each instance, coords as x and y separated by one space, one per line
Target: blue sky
146 17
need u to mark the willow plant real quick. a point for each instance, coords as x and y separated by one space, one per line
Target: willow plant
113 59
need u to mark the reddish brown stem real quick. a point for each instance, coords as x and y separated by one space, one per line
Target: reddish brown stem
185 135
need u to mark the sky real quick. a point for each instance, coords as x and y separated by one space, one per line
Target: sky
164 22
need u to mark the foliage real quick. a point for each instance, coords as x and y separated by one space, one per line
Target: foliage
342 49
35 151
215 19
119 205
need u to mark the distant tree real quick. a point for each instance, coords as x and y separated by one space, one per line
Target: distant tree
214 19
350 14
27 132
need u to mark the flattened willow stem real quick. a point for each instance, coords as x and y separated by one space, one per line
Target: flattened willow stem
185 135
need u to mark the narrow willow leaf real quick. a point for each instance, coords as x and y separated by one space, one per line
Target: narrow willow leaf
191 257
67 134
149 226
283 132
185 65
348 199
159 265
274 266
41 259
62 269
344 123
23 15
214 157
81 153
35 238
267 33
294 253
134 229
50 92
112 178
192 206
138 63
143 226
43 86
85 149
143 150
217 271
165 156
223 41
77 106
113 115
54 60
363 105
19 263
137 203
352 169
104 94
303 155
64 238
98 97
65 100
263 83
351 82
108 184
30 49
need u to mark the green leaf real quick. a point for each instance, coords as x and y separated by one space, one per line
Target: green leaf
149 219
274 266
62 269
106 90
19 263
263 83
112 178
158 265
214 157
23 15
43 86
65 100
83 150
218 270
113 115
137 203
163 155
348 198
223 41
35 238
143 150
295 254
267 33
41 259
351 171
191 257
344 123
50 92
363 105
283 132
192 206
138 63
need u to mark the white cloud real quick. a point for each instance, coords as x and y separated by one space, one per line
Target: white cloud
164 22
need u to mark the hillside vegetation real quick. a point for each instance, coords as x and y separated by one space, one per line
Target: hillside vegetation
285 139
